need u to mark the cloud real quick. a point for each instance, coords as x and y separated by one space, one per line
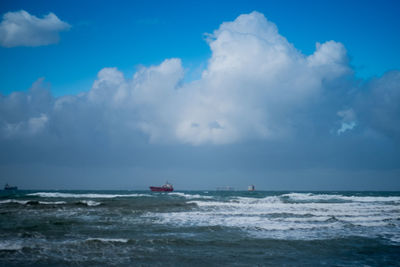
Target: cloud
23 29
348 121
378 104
256 87
253 85
260 109
25 114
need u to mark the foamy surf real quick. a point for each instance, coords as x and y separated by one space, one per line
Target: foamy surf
108 240
190 196
71 195
32 202
334 197
10 245
89 227
8 201
89 203
306 216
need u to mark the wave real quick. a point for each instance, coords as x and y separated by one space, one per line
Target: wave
8 201
395 239
252 200
52 202
190 196
10 246
107 240
304 213
89 195
89 203
303 197
32 202
278 226
271 205
245 221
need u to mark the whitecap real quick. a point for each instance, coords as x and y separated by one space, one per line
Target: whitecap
335 197
272 214
246 222
370 223
366 219
10 245
252 200
89 195
108 240
190 196
52 202
90 203
7 201
373 199
27 202
313 197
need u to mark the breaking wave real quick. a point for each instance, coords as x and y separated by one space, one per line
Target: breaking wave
89 203
73 195
107 240
10 245
190 196
32 202
306 215
121 227
310 197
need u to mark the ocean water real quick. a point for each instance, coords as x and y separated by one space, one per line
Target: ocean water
199 228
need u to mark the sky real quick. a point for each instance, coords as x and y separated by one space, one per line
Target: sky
285 95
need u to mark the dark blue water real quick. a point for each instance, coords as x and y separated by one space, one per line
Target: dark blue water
91 228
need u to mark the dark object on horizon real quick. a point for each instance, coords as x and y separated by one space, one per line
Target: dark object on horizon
251 188
10 188
165 188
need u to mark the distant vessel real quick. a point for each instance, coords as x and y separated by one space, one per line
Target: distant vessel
165 188
10 188
251 188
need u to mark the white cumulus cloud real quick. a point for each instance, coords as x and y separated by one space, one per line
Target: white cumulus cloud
253 84
23 29
256 86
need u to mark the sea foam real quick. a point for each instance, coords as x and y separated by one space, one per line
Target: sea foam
273 214
90 195
332 197
108 240
10 245
32 202
190 196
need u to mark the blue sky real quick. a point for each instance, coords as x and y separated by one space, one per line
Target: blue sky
130 33
287 95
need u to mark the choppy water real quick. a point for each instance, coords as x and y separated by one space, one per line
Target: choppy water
199 228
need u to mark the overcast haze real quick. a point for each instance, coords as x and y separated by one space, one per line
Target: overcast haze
244 104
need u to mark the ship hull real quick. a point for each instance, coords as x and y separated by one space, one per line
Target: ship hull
160 189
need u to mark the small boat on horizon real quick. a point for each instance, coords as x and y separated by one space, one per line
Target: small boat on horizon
167 187
251 188
8 187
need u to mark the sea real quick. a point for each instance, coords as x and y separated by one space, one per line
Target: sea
199 228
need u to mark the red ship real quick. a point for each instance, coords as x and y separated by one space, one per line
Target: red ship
165 188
